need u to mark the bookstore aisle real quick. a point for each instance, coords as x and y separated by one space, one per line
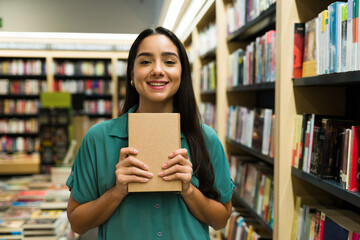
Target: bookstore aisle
277 80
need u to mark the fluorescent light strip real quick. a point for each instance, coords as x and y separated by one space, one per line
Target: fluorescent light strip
56 35
172 13
189 16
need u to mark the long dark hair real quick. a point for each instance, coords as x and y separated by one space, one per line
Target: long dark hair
185 104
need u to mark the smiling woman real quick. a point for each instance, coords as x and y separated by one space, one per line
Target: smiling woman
156 74
158 81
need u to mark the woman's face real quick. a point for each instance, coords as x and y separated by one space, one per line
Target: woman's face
157 70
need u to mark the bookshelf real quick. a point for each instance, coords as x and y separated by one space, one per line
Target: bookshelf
252 212
260 95
310 94
46 77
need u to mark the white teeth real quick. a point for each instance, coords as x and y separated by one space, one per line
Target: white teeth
157 84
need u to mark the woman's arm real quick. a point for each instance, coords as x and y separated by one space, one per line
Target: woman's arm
84 217
206 210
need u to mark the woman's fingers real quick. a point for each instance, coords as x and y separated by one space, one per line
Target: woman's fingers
177 167
125 152
131 169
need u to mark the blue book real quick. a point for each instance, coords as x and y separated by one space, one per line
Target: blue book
335 34
332 230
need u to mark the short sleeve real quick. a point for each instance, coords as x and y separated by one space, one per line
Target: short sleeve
223 181
82 180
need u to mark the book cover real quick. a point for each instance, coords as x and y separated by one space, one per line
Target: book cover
354 165
257 134
340 223
327 158
344 15
344 156
349 46
334 31
155 136
309 59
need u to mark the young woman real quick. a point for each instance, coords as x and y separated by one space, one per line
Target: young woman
158 80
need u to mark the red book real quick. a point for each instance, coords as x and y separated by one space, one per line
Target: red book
299 33
31 195
321 227
354 165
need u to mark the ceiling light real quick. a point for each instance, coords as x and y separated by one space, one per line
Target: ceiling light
189 16
172 13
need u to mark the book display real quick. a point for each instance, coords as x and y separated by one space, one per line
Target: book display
34 207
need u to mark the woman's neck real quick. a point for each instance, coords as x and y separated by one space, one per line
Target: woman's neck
155 107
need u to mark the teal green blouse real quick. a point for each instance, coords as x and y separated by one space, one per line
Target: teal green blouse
140 215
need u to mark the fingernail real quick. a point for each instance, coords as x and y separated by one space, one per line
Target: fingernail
164 165
149 174
146 179
145 166
135 150
171 155
161 173
166 178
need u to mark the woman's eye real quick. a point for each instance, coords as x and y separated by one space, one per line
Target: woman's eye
144 62
169 62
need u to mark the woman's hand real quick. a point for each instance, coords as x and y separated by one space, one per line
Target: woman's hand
130 169
178 167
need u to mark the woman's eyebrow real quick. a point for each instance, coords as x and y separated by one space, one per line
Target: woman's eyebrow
149 54
144 54
169 54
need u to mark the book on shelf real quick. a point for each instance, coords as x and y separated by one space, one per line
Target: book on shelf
299 35
334 151
309 58
336 38
255 64
335 10
251 127
322 43
22 66
304 205
340 224
343 36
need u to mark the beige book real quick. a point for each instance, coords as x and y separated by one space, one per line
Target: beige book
155 136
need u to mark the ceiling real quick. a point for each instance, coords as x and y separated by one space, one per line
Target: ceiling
83 16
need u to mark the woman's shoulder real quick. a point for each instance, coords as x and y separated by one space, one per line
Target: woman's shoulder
209 132
102 128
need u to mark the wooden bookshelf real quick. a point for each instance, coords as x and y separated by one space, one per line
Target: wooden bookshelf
22 165
256 95
264 22
252 87
331 186
251 151
259 218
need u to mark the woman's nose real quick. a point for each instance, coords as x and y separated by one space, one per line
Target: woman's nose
157 69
